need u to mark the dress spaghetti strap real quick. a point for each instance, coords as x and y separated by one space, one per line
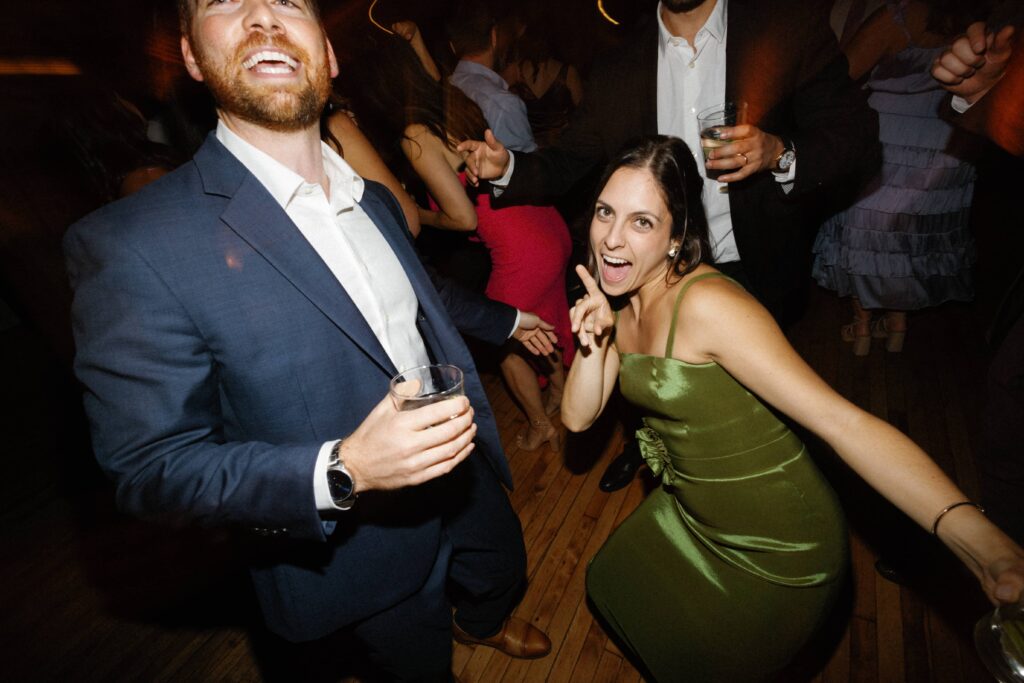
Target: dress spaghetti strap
679 298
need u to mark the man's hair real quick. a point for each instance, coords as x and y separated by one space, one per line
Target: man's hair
187 12
469 29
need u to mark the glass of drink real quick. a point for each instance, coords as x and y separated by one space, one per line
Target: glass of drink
999 639
426 384
711 123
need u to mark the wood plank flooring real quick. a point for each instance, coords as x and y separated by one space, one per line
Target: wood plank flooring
90 595
87 594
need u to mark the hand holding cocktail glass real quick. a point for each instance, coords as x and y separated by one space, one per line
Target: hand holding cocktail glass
999 635
734 149
393 448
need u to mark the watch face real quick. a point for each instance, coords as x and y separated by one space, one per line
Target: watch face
339 484
787 159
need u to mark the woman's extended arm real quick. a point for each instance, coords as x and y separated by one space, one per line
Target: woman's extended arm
426 153
596 366
411 32
365 161
719 321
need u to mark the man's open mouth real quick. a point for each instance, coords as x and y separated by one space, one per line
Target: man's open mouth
271 62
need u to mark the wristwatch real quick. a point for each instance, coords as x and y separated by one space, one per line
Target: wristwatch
339 480
786 158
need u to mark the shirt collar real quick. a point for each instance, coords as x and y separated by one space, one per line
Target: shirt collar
467 67
283 183
715 26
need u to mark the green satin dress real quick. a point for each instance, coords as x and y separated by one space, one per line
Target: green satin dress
733 562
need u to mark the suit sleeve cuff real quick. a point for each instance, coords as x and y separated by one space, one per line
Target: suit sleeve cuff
515 326
498 185
320 490
959 104
786 179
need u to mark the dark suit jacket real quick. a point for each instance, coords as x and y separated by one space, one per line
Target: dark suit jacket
999 115
782 59
218 352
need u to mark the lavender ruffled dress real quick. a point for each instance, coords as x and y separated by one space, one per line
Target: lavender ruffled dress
905 243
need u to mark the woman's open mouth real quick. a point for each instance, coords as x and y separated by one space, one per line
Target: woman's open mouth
614 270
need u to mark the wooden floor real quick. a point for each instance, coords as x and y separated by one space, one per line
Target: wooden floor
90 595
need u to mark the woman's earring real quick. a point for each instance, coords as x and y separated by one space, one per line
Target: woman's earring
673 250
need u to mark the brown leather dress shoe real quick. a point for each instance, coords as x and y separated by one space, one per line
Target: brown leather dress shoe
517 638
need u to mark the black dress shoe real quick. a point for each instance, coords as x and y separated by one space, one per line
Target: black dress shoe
890 572
623 468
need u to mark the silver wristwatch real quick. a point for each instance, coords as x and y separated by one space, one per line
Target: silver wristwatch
785 160
339 480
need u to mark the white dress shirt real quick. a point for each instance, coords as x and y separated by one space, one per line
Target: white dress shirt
691 78
354 250
504 111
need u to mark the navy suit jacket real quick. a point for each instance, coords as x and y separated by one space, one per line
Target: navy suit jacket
218 353
783 60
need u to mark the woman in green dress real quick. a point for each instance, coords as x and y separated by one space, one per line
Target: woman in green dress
728 567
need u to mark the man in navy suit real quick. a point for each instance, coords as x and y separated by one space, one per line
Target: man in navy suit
237 323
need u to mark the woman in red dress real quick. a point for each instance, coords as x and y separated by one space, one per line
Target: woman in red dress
529 246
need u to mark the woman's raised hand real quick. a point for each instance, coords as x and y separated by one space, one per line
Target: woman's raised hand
406 29
592 315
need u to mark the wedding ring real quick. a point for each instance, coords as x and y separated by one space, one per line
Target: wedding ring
745 159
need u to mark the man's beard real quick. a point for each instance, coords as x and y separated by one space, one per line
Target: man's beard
681 5
272 105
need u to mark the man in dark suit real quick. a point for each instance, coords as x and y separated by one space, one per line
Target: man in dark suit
237 324
984 70
809 136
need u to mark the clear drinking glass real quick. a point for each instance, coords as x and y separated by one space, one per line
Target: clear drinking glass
426 384
999 639
710 123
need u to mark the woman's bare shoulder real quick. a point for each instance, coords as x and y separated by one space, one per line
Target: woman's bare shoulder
714 309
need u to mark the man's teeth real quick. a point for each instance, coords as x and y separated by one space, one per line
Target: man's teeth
272 56
612 261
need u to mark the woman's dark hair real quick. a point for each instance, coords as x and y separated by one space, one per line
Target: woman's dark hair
538 38
670 162
108 136
391 90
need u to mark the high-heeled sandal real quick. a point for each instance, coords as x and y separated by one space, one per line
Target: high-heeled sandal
543 432
553 403
861 342
893 338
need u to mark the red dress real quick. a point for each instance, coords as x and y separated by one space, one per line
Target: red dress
530 249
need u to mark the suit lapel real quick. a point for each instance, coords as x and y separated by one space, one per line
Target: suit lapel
392 228
256 218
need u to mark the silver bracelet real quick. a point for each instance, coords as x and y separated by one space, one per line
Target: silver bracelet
952 506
